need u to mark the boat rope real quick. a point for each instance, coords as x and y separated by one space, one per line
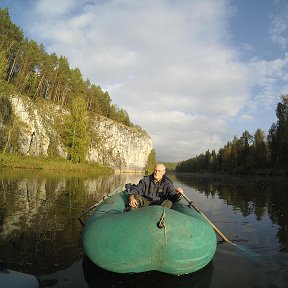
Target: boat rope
161 224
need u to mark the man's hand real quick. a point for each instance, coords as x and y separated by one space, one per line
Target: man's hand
179 190
132 201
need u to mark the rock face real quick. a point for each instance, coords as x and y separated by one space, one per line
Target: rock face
113 144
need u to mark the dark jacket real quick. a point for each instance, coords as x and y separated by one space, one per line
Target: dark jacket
164 190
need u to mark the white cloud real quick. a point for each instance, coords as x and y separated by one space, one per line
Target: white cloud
246 117
170 64
268 79
181 135
54 8
279 31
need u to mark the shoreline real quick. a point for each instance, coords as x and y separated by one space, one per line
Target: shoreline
15 161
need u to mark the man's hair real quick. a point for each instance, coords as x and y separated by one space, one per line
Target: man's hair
161 164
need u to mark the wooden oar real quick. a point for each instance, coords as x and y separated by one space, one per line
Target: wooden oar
214 227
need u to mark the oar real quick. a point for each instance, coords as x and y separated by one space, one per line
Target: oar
245 250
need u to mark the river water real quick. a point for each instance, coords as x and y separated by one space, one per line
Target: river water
40 233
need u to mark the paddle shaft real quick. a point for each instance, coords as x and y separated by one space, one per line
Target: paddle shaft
214 227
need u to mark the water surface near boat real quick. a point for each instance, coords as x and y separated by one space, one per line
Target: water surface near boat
41 235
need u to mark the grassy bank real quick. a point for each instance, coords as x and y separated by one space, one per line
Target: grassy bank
13 161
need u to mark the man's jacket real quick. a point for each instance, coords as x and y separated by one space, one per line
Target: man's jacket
155 191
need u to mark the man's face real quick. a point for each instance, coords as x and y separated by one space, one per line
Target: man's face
159 171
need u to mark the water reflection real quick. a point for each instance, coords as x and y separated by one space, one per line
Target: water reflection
38 216
259 196
40 233
97 277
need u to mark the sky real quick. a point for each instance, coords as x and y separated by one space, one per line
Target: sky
192 73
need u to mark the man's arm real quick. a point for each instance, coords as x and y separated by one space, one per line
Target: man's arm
175 194
138 189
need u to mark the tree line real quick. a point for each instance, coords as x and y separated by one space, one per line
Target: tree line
26 68
248 153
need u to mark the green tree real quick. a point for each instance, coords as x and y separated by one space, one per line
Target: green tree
3 71
151 162
213 160
278 134
226 159
11 37
208 160
5 110
93 98
10 34
245 141
77 86
59 82
3 66
260 149
77 134
27 64
9 133
273 143
105 104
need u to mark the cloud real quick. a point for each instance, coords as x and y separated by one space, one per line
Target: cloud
181 135
170 64
279 26
268 78
54 8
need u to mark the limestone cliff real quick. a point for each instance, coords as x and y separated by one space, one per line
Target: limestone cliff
113 144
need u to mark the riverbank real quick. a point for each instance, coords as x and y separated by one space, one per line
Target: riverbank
257 172
15 161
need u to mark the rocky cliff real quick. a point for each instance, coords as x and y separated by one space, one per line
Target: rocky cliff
113 144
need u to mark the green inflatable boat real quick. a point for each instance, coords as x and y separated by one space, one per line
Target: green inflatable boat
175 241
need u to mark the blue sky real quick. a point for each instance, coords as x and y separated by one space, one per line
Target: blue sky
192 73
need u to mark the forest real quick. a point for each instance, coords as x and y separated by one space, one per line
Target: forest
249 154
27 69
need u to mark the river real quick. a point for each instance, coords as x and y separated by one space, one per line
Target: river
40 233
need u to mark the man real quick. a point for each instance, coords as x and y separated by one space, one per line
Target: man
155 189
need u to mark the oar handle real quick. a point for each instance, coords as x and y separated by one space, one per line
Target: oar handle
213 226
